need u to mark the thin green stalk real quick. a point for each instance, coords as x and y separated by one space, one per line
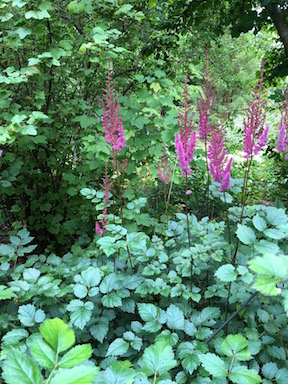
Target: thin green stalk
188 229
51 373
168 199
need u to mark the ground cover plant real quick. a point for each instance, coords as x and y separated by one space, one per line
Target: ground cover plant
165 263
150 301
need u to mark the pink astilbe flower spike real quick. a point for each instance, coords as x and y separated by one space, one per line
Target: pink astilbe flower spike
164 168
255 133
282 143
219 164
112 123
185 142
206 102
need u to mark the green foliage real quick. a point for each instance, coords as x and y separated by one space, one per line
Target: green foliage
45 349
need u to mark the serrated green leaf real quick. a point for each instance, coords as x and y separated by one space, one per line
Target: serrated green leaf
245 234
26 314
267 285
57 334
259 223
80 291
91 277
76 356
14 336
19 368
213 364
100 330
111 300
31 275
158 358
83 374
41 351
266 247
276 216
175 317
6 250
237 346
274 233
6 293
269 265
190 363
80 312
118 347
147 312
243 375
226 273
269 370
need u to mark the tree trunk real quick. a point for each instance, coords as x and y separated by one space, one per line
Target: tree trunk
279 20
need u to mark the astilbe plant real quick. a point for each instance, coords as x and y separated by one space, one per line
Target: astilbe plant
282 143
185 141
219 164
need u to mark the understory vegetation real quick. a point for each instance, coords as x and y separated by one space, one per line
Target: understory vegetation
143 195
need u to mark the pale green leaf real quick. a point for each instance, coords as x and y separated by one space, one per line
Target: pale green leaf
57 334
276 216
243 375
226 273
111 300
266 247
19 368
76 356
41 351
14 336
274 233
237 346
6 293
213 364
175 317
158 358
269 265
269 370
82 374
267 285
118 347
259 223
245 234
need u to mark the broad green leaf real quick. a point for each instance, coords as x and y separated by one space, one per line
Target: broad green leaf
237 346
274 233
26 314
190 363
269 265
158 358
14 336
269 370
80 312
118 347
175 317
266 247
31 275
267 285
243 375
111 300
19 368
100 329
6 250
245 234
80 291
213 364
109 281
91 277
259 223
226 273
6 293
147 312
281 376
76 356
57 334
83 374
41 351
276 216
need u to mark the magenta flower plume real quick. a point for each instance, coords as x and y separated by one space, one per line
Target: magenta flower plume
185 142
1 152
164 168
112 123
205 102
219 164
282 143
255 133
